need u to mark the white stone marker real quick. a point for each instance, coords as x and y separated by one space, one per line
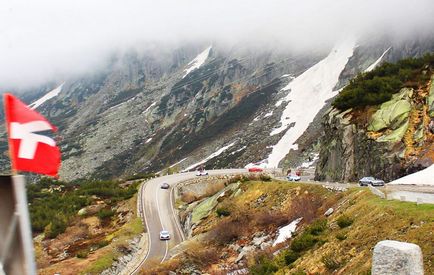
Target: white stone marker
397 258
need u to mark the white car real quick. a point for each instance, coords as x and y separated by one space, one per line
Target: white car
201 173
293 178
164 235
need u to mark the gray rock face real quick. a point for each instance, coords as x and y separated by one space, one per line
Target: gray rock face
397 258
348 154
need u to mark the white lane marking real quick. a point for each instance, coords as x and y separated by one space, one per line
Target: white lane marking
161 222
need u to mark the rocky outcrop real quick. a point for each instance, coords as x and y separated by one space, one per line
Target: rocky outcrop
348 153
386 142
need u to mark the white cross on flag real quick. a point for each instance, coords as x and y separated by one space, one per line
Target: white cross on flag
29 150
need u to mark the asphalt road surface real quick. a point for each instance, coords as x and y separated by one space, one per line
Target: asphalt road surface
157 212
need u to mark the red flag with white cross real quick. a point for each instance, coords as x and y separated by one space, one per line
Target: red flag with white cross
29 149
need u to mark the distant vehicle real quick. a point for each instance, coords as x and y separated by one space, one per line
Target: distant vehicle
256 169
201 173
164 235
365 181
165 185
293 178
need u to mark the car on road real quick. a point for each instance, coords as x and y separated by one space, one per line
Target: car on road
164 235
201 173
255 169
293 178
165 185
365 181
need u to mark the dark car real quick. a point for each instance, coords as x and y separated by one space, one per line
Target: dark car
165 185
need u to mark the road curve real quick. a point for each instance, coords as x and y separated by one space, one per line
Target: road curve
156 209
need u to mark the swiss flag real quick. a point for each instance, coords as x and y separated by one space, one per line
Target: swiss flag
29 150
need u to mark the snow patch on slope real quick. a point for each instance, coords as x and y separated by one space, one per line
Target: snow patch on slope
307 95
213 155
268 114
197 62
286 231
423 177
239 150
46 97
149 107
173 165
373 65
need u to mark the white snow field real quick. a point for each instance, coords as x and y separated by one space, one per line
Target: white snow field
213 155
423 177
286 231
373 65
307 94
53 93
197 62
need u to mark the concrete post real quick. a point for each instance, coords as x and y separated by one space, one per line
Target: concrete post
397 258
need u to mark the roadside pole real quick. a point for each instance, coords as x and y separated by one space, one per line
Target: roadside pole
16 244
24 223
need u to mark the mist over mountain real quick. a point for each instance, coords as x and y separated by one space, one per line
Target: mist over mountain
51 41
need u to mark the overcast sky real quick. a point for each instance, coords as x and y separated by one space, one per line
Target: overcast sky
43 39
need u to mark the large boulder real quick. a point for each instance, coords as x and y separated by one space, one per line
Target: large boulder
397 258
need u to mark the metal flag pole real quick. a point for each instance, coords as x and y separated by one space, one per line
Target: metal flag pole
19 185
8 241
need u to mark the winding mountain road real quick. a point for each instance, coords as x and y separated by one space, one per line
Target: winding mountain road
156 208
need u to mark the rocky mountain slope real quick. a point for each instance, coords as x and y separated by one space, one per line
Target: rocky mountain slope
202 104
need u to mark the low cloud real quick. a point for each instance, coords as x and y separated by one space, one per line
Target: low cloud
47 39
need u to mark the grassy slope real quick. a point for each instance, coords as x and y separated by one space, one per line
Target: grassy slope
374 220
349 248
118 239
102 258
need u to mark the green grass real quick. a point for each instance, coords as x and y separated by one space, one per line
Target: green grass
422 211
101 263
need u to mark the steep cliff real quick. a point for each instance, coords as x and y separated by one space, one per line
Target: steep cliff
387 140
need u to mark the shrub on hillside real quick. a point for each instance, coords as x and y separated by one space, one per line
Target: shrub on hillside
272 218
341 237
104 214
222 212
344 221
263 265
228 231
378 86
200 255
303 242
290 256
82 254
55 227
317 227
330 262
